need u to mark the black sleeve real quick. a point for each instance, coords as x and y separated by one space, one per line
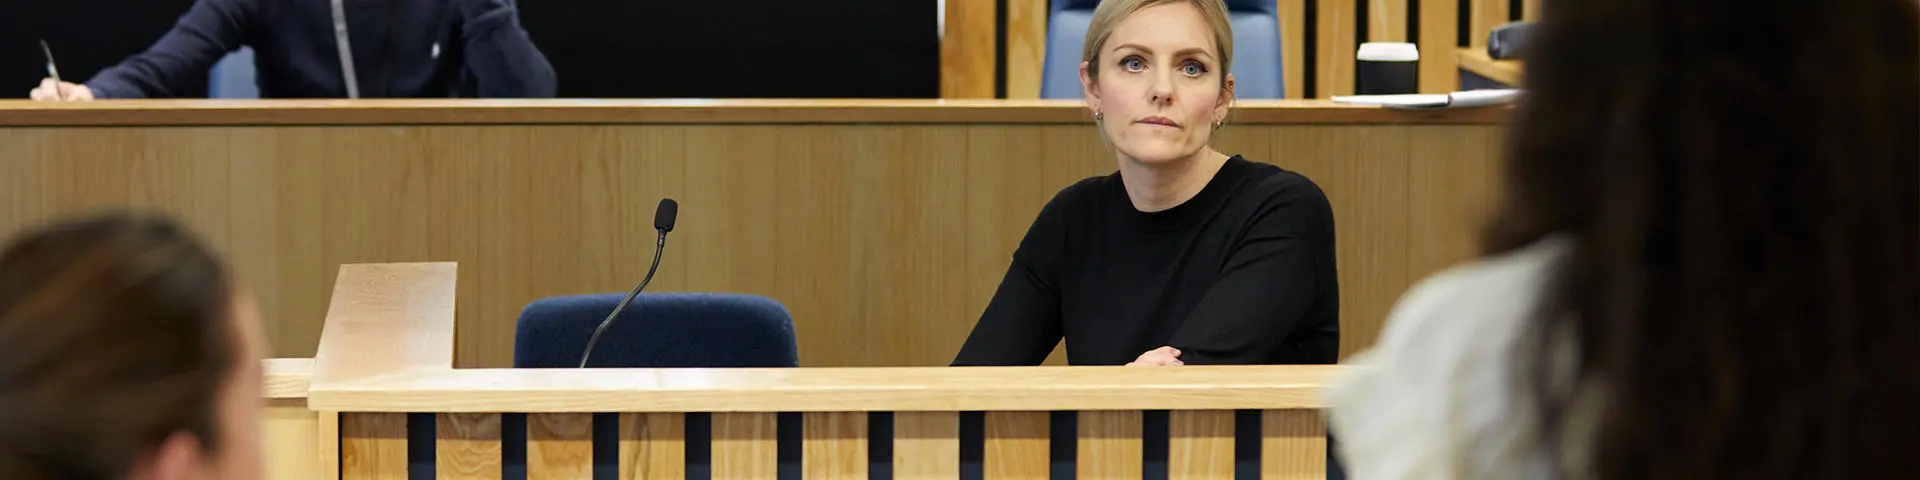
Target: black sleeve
1266 288
500 55
208 30
1022 323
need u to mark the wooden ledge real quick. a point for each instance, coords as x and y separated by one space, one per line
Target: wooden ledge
23 113
388 347
1477 60
286 377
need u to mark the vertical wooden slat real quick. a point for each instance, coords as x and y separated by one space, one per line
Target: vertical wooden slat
1109 444
1026 47
288 439
1530 10
966 49
559 446
1486 15
467 446
926 445
1293 445
1387 20
746 445
1337 28
329 445
1439 37
653 446
835 445
1017 445
1293 47
1200 444
373 446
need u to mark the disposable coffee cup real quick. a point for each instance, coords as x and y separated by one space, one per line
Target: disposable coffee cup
1388 68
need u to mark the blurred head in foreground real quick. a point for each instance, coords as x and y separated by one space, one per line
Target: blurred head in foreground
1741 182
125 352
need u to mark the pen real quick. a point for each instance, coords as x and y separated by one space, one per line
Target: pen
53 71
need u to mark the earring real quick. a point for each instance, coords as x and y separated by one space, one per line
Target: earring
1098 117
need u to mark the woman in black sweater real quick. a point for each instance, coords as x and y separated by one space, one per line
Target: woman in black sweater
1185 255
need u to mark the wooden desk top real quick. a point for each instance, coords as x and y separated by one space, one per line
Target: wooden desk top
24 113
388 347
1476 60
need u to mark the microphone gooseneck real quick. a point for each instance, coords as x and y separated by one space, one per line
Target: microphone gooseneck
663 220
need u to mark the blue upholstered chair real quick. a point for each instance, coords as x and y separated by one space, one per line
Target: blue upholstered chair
233 76
1256 48
657 330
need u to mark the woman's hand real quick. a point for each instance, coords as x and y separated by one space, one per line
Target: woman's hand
1159 357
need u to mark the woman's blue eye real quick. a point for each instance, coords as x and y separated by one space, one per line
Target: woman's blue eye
1193 69
1133 64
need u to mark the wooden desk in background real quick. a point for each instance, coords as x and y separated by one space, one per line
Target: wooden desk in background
1479 70
387 352
884 224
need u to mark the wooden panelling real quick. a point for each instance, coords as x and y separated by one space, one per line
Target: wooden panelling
966 49
1109 445
579 111
559 446
1337 26
1364 174
1293 47
653 446
1444 198
1530 10
926 445
1386 20
890 235
746 445
1017 445
373 446
1026 47
834 445
291 440
1293 445
1487 14
1439 36
1200 444
467 446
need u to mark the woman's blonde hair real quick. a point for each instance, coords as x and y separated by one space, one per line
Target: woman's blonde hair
1110 12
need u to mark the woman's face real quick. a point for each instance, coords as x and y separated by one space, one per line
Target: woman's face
1159 90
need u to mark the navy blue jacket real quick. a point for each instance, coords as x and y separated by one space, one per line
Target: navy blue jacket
442 44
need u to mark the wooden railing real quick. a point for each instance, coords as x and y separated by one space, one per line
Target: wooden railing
385 365
976 28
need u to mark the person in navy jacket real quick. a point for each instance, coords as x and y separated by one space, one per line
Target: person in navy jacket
398 48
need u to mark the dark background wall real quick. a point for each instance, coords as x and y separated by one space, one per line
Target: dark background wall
600 48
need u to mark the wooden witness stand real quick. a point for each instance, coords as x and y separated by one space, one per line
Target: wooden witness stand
387 352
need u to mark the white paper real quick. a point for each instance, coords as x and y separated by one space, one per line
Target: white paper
1463 99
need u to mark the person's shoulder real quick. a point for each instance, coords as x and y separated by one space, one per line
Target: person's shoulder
1493 294
1269 181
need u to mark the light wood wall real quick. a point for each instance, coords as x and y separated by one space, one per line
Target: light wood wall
889 237
968 53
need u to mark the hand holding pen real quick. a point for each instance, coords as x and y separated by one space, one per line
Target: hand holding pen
52 88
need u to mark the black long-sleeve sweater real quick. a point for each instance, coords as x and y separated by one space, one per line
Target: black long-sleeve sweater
1242 273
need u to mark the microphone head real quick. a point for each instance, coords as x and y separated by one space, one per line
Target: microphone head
664 216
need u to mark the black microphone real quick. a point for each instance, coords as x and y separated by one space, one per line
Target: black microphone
663 219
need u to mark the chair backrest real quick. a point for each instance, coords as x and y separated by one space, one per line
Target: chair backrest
233 76
657 330
1256 48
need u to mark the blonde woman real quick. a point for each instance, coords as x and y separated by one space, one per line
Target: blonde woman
1185 255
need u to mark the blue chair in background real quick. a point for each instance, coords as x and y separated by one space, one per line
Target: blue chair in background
232 76
659 330
1256 48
